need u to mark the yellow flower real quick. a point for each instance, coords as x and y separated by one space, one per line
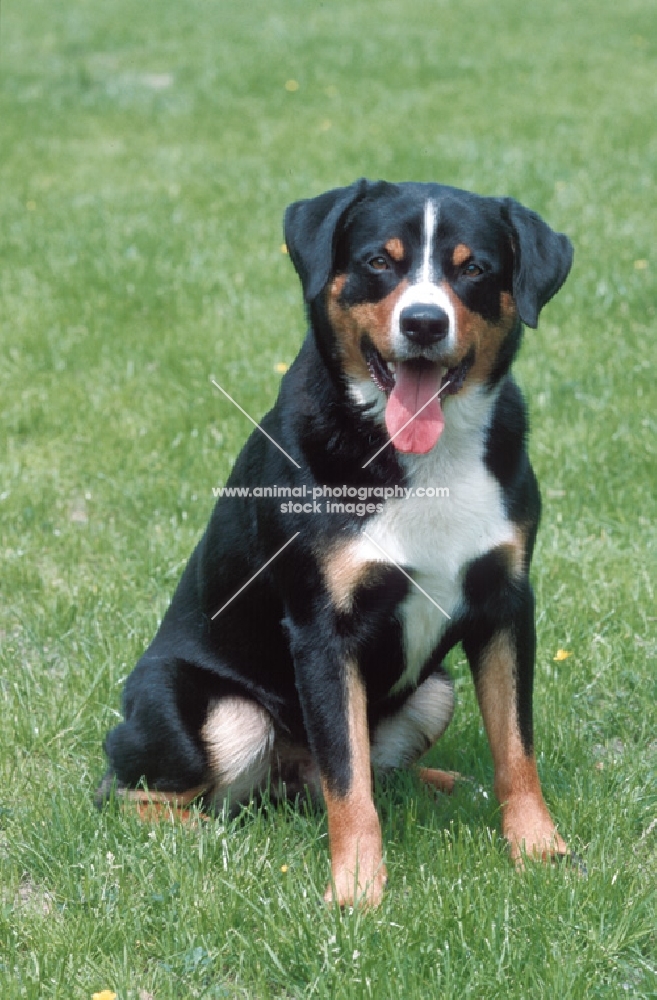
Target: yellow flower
283 247
291 85
562 654
281 367
104 995
284 868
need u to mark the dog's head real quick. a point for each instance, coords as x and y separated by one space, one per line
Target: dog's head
423 289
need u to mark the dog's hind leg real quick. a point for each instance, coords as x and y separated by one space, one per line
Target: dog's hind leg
157 744
184 737
400 739
238 737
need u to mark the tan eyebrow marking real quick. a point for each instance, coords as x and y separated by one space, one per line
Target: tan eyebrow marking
395 248
461 254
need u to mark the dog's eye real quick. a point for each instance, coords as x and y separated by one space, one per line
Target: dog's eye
378 263
472 270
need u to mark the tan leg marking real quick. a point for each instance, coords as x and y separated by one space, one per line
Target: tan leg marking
526 822
153 807
359 874
442 781
165 798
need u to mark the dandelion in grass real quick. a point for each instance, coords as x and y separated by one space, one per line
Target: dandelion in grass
562 654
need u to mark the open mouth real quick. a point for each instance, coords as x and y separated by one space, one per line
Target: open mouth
383 373
414 416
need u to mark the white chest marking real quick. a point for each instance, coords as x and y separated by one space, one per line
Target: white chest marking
433 538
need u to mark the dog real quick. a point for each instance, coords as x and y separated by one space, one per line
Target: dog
304 644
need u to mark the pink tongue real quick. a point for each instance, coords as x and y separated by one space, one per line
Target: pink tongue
414 387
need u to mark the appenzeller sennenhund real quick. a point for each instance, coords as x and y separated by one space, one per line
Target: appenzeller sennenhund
335 615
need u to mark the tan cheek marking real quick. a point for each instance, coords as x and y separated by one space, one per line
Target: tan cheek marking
461 254
351 322
337 285
395 248
375 318
353 825
474 332
526 822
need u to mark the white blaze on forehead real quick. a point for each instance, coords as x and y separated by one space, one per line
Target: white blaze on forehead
424 291
430 220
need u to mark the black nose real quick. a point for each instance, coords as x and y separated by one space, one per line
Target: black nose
424 323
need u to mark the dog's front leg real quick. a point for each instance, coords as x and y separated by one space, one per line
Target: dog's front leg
502 663
358 872
334 704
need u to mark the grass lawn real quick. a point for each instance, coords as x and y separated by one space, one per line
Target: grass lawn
147 152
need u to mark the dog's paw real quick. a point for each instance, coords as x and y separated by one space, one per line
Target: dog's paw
357 884
530 831
442 781
358 874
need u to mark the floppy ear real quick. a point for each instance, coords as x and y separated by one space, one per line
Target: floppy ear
311 229
542 260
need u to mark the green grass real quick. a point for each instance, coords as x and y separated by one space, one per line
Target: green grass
147 152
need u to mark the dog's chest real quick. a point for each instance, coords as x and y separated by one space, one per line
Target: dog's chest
434 537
